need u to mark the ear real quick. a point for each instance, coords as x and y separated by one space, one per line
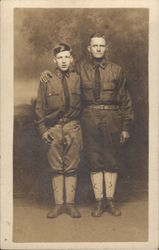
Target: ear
89 48
71 57
106 48
54 59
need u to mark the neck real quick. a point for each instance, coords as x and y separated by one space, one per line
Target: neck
63 72
98 59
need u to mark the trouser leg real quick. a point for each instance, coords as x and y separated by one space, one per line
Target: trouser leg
56 163
93 146
58 189
72 139
72 149
70 188
55 153
110 186
70 191
97 183
112 153
93 140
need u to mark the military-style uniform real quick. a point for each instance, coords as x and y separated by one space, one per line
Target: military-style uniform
58 110
106 115
107 111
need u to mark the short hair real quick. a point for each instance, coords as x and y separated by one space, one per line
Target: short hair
98 34
61 47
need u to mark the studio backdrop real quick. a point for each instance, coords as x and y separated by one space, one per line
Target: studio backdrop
36 32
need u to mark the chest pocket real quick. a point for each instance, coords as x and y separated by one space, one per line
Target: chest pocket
75 98
108 91
108 86
87 91
53 99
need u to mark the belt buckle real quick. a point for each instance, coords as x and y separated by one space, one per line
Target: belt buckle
110 107
102 106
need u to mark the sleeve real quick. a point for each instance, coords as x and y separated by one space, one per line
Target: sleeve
78 68
125 103
40 108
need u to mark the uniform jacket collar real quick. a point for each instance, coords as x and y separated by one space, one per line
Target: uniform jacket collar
102 63
59 73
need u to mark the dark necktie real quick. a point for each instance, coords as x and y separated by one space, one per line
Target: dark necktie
97 82
66 92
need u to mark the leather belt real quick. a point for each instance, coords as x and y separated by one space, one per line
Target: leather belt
104 107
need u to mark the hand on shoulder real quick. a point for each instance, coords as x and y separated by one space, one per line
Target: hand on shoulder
45 76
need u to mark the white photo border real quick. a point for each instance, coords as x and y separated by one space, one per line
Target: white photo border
7 107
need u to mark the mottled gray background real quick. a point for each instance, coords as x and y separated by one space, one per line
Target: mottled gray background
36 31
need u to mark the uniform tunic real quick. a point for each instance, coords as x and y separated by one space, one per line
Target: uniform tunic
102 127
62 121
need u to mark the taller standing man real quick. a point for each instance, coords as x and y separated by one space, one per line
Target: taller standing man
106 119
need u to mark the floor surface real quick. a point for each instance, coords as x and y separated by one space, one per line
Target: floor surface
31 224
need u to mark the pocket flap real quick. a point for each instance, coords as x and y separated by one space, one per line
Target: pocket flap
108 86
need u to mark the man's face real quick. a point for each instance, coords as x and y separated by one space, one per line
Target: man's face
97 47
63 60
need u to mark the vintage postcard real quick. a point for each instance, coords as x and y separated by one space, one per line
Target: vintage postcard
79 124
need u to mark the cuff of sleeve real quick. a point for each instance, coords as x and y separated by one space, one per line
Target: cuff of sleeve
125 127
42 128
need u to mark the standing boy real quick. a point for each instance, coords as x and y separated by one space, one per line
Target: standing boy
58 111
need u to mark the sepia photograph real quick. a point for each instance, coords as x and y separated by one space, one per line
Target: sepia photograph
60 55
81 130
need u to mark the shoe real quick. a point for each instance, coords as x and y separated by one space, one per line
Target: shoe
98 209
55 211
111 207
72 211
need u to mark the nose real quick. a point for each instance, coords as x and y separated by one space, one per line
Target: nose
63 60
98 48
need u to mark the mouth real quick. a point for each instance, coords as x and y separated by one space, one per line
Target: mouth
99 54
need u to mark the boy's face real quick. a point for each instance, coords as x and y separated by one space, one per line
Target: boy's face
63 60
97 47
